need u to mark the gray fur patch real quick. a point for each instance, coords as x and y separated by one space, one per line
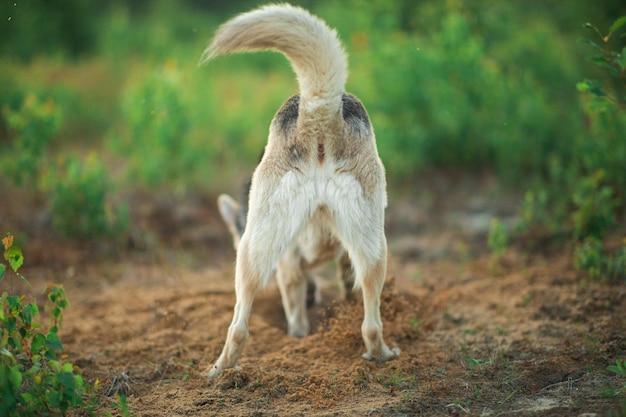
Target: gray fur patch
353 110
287 115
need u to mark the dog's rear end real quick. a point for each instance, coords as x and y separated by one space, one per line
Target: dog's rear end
315 247
320 164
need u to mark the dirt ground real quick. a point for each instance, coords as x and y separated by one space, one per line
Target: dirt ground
523 335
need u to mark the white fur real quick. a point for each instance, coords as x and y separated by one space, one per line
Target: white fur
317 181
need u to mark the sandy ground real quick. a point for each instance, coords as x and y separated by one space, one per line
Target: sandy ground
523 335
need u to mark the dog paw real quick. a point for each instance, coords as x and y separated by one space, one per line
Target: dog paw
213 372
384 356
216 370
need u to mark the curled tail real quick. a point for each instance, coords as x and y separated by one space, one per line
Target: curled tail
312 48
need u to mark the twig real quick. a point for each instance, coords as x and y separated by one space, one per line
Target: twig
569 383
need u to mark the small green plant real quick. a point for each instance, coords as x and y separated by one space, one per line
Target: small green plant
33 380
498 238
397 379
526 298
14 257
594 204
613 61
415 322
590 257
473 363
535 209
361 377
620 369
605 107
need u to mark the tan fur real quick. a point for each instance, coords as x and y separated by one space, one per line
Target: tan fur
320 181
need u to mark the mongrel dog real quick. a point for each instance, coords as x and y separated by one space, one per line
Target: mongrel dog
320 167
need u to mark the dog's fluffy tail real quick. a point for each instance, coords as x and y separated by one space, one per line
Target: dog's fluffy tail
315 52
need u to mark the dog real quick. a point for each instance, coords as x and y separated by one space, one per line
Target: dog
320 167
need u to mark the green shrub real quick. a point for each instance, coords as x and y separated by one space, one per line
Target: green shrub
593 207
33 125
158 128
497 238
78 199
591 258
605 107
33 380
584 191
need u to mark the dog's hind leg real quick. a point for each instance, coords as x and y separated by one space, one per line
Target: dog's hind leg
275 217
345 274
293 289
371 280
247 283
360 227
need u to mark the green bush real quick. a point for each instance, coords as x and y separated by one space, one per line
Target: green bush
33 125
583 193
158 127
604 103
78 200
591 258
593 207
33 380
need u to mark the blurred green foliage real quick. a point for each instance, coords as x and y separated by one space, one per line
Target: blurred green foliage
498 87
158 125
78 193
591 257
33 125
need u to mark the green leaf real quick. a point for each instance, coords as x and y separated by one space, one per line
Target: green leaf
604 62
27 398
596 88
54 342
15 376
30 311
14 302
39 341
582 87
14 256
3 268
619 367
66 378
618 24
6 352
55 365
590 43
